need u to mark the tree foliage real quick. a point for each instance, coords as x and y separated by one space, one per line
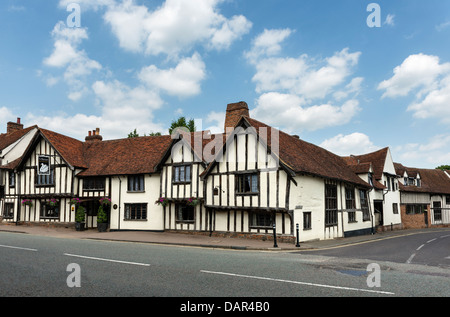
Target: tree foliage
180 123
443 167
134 134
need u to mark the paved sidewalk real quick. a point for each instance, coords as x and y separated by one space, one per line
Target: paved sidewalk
180 239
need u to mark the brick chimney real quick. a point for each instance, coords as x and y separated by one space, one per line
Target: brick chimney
14 126
94 136
234 113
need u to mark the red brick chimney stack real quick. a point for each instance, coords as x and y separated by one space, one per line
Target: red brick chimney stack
14 126
235 111
94 136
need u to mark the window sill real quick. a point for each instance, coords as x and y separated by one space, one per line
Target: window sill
138 220
135 191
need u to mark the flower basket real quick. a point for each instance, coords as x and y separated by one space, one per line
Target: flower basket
193 202
162 202
105 201
75 201
52 202
27 202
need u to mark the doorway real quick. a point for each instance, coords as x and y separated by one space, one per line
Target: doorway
378 209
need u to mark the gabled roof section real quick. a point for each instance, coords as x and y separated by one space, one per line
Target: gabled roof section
298 156
377 159
433 181
70 149
6 139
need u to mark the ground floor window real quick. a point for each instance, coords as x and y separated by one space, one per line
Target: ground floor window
185 213
307 220
364 204
331 213
50 209
261 220
135 211
8 211
415 209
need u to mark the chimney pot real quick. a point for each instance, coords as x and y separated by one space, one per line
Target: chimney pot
94 136
234 113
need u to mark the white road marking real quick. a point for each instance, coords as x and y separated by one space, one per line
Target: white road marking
19 248
410 258
420 247
431 240
106 260
296 282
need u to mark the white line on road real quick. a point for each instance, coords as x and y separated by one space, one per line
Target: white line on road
410 258
19 248
431 240
106 260
420 247
300 283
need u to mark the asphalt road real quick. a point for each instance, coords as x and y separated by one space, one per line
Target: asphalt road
32 266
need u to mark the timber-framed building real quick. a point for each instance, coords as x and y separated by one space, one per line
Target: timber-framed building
250 180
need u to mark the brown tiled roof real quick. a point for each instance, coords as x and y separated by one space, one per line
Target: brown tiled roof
69 148
125 156
433 181
377 159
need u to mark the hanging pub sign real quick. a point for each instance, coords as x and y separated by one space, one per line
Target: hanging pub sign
43 165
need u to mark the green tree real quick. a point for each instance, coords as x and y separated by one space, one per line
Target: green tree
443 167
134 134
181 122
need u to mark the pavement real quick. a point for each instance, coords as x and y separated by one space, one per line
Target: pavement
204 241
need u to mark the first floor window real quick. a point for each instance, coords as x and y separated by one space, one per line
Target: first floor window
447 200
8 211
94 183
261 219
307 221
247 184
46 180
12 179
185 213
135 211
50 209
182 174
136 183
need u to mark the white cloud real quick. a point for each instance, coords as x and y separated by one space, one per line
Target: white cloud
429 79
174 27
76 62
290 111
183 80
351 144
267 44
416 71
292 89
216 122
429 155
6 115
123 109
302 75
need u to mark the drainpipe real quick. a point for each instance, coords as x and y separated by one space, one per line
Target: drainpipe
120 203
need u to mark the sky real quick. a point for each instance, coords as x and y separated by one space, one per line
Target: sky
351 76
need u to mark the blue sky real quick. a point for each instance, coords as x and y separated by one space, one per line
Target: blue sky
311 68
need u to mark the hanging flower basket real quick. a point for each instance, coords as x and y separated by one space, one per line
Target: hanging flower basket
105 201
27 202
75 201
52 202
193 202
162 202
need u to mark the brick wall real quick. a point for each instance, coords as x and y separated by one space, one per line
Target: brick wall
415 221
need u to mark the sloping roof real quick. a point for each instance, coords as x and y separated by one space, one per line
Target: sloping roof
433 181
377 159
69 148
124 156
302 157
6 139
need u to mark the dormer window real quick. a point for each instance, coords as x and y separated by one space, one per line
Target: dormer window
371 179
418 182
